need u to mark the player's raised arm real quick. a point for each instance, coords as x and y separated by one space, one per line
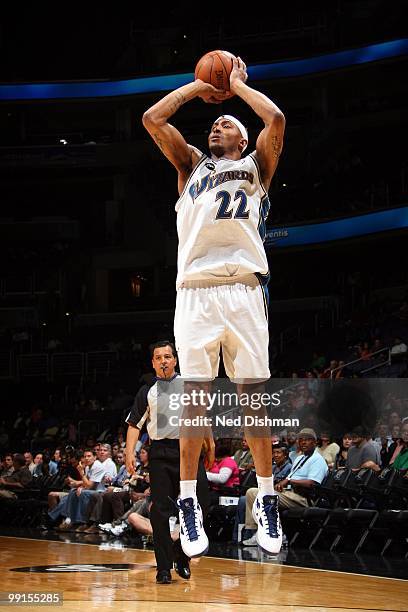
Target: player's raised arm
170 141
270 140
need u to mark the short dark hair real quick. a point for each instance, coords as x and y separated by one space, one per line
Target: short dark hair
162 344
281 446
221 450
19 459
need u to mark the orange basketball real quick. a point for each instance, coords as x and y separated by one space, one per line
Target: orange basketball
215 68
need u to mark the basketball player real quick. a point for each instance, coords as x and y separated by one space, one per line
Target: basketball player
222 272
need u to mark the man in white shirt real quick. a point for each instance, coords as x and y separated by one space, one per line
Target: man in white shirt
73 506
308 469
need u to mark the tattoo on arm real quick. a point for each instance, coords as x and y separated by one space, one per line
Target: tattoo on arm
160 143
276 146
179 101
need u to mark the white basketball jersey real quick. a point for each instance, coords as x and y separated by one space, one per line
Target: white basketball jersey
221 220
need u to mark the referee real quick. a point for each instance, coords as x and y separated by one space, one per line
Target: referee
164 461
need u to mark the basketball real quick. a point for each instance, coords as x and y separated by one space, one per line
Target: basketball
215 67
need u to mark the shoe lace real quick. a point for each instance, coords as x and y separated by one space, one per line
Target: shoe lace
272 518
189 517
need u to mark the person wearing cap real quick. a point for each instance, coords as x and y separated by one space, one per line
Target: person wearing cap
308 470
222 274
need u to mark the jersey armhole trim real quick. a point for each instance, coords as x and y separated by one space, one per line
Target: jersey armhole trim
202 158
252 155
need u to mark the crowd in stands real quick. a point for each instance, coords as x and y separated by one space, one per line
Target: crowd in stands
89 491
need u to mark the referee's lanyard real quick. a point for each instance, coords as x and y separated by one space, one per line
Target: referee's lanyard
299 465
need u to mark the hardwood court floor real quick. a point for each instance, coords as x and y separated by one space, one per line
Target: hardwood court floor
216 584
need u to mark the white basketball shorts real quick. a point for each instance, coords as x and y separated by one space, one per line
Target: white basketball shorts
222 313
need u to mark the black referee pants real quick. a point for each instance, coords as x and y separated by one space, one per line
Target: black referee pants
164 474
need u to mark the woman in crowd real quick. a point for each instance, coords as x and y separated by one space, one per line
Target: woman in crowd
328 449
341 457
224 472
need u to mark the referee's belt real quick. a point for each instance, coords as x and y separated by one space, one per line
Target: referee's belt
168 442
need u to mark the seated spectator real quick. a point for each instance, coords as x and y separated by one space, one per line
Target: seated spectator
341 457
398 347
308 470
399 459
363 453
19 479
103 454
140 505
243 457
224 471
38 461
280 469
327 373
328 449
339 374
281 462
7 467
291 440
68 469
55 461
364 351
110 505
29 461
73 507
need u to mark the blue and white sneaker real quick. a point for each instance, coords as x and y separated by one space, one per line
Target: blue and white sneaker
193 538
266 515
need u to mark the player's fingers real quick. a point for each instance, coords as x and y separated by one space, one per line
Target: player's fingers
220 93
242 64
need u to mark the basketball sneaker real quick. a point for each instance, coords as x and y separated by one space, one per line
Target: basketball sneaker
193 538
265 513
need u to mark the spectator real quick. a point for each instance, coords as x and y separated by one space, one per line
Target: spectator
140 505
399 347
327 373
38 460
280 469
364 351
7 467
341 457
328 449
281 462
401 459
104 458
339 374
308 469
29 461
19 479
71 475
291 440
109 506
243 457
55 461
73 506
224 471
363 453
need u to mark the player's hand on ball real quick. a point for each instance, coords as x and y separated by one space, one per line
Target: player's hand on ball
238 72
210 94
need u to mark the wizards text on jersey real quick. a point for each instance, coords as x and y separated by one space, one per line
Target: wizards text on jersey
209 181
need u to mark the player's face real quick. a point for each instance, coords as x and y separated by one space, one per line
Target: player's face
224 138
164 362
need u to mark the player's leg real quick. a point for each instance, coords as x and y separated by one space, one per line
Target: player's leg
246 359
197 328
